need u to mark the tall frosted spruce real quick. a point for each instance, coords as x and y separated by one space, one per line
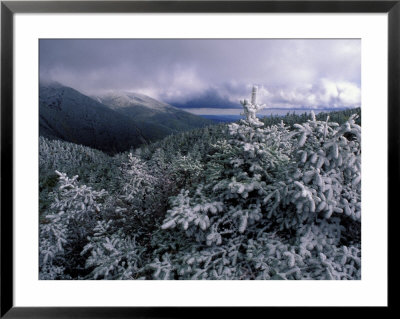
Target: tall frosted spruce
284 200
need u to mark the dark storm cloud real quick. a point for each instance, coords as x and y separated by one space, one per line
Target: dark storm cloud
289 72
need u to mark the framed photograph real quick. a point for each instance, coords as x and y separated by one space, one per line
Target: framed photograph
158 156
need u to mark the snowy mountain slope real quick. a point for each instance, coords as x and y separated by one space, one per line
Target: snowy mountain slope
117 99
148 112
66 114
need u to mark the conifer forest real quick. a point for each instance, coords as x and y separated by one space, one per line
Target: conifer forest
262 198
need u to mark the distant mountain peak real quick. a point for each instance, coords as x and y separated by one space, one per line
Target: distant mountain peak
121 99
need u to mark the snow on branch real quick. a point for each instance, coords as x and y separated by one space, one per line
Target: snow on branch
251 108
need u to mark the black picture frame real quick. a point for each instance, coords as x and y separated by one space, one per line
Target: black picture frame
9 8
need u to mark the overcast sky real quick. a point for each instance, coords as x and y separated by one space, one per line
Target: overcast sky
290 73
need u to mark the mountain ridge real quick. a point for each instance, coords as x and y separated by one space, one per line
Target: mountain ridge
145 110
69 115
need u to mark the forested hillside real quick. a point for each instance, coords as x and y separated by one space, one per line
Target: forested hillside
68 115
273 199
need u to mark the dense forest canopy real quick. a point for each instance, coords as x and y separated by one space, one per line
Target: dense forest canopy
276 198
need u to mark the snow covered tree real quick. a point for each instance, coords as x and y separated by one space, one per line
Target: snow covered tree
324 177
71 218
138 184
113 253
251 108
236 181
281 182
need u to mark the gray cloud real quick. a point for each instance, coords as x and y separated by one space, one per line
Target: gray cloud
290 73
